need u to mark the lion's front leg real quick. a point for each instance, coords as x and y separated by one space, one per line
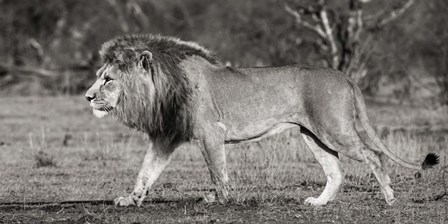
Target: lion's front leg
212 147
156 159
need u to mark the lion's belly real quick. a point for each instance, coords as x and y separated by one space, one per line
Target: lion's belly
255 131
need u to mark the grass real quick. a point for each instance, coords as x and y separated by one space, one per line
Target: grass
53 150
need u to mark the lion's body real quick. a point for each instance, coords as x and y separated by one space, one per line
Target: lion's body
177 91
254 101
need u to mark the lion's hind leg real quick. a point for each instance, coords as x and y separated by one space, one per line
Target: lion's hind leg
376 161
330 163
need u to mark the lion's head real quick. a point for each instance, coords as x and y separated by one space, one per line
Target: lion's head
142 84
112 83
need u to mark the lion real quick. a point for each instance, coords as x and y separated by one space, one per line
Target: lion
177 91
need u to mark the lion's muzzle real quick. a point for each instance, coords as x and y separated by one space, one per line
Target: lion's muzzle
90 98
90 95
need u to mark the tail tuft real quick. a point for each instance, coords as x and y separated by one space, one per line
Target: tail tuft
431 160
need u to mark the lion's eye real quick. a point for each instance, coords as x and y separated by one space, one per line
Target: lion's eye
107 79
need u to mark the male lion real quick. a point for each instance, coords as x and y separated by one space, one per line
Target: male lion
177 91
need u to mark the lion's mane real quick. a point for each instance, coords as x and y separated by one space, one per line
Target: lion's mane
159 104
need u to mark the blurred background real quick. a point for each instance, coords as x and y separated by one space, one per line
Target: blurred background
395 49
53 150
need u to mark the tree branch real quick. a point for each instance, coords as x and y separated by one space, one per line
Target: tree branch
137 12
120 17
329 36
315 28
30 70
395 13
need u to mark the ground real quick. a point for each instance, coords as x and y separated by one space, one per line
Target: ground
60 164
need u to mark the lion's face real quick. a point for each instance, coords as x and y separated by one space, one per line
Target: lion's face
104 94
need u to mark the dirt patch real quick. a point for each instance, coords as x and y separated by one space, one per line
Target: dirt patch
353 208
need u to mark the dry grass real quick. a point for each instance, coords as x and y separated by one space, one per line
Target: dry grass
53 149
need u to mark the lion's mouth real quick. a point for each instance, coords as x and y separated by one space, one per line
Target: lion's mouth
105 109
100 110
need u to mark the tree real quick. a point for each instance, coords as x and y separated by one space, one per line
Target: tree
344 36
441 74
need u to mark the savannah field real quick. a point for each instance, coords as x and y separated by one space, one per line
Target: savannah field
59 164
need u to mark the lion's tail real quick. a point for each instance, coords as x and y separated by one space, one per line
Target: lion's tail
430 160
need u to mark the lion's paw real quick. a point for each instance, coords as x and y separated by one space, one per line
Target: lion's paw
214 197
390 202
315 201
124 202
209 198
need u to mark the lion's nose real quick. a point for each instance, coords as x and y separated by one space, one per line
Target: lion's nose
90 97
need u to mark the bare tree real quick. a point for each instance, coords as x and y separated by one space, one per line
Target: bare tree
344 38
442 73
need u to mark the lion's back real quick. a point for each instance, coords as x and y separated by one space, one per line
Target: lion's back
250 94
267 82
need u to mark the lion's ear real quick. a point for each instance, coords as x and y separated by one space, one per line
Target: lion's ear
144 60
